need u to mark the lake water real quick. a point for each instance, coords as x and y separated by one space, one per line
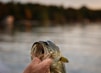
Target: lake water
80 44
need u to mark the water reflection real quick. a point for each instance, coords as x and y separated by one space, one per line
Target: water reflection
82 45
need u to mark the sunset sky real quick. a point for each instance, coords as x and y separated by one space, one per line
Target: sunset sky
93 4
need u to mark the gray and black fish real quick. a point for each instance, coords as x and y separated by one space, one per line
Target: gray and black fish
47 49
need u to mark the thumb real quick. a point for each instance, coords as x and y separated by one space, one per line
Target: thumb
36 60
46 63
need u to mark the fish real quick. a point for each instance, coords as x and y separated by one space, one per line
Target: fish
47 49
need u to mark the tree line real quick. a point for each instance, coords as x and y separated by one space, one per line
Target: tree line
47 14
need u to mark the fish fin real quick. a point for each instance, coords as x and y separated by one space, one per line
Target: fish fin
63 59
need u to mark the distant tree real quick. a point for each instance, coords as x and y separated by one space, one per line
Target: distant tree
46 14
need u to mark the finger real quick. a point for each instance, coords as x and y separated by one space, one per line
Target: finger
36 60
42 67
46 63
47 71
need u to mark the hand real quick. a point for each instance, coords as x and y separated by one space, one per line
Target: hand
38 66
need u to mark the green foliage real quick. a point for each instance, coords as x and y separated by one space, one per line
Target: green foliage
46 14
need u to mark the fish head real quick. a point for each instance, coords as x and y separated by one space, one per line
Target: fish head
46 49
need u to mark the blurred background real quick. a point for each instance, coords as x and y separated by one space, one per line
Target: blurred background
73 25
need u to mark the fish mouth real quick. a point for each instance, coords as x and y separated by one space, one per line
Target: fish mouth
38 51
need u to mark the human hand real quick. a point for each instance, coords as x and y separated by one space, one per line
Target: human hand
38 66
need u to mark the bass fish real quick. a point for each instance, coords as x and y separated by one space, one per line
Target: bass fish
47 49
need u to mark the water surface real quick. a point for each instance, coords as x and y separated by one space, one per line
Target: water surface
81 45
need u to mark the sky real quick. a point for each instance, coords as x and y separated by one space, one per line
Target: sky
93 4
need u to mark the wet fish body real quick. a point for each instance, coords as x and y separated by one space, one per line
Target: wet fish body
47 49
